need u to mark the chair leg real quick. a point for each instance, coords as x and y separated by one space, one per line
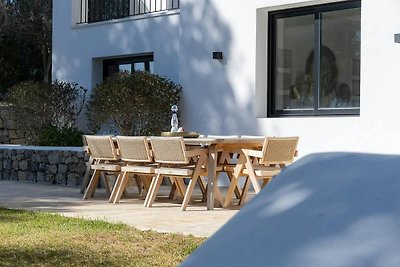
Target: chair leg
265 181
116 187
173 191
92 184
237 190
245 190
139 184
86 177
148 195
120 189
154 190
106 183
188 193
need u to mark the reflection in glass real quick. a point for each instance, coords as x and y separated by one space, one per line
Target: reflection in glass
294 40
340 32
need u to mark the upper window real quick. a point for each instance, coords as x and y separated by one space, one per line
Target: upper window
103 10
127 64
314 60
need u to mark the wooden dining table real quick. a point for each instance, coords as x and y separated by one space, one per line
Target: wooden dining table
214 146
218 145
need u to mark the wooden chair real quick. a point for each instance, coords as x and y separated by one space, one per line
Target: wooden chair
136 153
262 164
176 163
101 149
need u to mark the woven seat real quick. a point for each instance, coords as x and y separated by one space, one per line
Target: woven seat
101 149
263 164
135 151
176 163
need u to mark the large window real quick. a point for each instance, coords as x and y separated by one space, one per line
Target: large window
314 60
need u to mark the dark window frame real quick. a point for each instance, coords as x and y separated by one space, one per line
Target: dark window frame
146 59
317 10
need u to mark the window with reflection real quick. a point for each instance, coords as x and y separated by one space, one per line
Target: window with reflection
128 64
314 60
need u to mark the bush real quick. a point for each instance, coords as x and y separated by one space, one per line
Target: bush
137 103
39 105
53 136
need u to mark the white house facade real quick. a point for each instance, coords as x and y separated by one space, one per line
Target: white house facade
324 70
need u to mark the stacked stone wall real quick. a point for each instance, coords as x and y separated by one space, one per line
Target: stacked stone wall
9 133
43 165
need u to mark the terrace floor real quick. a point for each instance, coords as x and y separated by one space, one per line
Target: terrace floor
163 217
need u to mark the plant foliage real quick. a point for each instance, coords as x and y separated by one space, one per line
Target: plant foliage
39 105
25 41
137 103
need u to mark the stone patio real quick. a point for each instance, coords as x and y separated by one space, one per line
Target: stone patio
163 217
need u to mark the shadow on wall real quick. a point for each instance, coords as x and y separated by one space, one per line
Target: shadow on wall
334 209
182 46
211 103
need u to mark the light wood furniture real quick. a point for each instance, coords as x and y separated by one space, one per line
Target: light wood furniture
135 151
101 149
214 147
177 163
262 164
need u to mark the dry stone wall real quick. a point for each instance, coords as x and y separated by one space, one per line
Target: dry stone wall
64 166
9 133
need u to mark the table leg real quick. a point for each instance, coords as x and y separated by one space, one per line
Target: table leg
212 174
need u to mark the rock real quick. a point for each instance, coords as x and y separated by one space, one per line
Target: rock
14 175
12 134
22 176
40 177
54 157
15 165
23 165
31 177
67 154
7 154
75 159
61 179
34 167
42 167
62 168
7 164
50 178
6 175
51 169
68 160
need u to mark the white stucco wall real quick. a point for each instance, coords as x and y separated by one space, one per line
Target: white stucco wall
224 97
76 48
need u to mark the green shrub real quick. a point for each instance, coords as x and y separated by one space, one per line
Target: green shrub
137 103
38 106
53 136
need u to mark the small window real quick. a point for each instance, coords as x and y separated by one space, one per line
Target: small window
314 60
127 64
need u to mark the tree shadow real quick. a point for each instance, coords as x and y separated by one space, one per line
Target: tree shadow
182 45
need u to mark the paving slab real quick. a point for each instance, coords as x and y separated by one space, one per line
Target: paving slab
163 217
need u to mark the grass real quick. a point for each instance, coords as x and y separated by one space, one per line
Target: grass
43 239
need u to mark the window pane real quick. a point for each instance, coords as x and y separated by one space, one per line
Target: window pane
125 68
340 59
294 43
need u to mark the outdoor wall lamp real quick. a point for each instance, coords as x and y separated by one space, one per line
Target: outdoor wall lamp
397 38
218 55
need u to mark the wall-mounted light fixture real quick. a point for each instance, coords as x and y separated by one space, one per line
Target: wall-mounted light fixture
397 38
218 55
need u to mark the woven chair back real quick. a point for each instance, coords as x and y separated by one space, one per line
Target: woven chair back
134 148
101 147
279 150
169 150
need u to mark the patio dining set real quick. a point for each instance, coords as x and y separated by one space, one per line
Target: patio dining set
186 162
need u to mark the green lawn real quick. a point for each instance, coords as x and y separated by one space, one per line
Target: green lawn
43 239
